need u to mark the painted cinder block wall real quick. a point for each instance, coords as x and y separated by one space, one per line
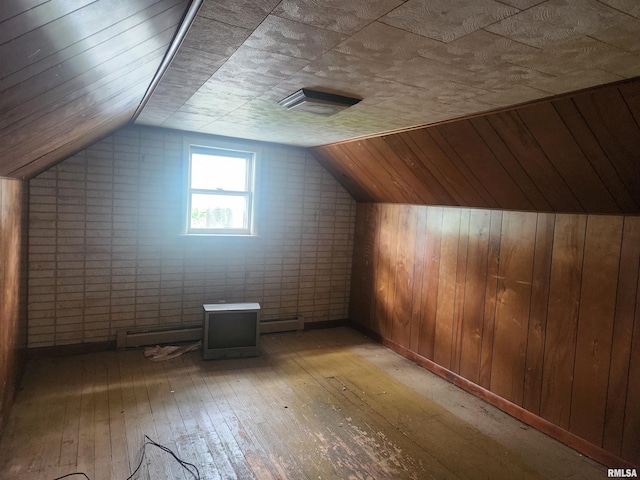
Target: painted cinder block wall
106 251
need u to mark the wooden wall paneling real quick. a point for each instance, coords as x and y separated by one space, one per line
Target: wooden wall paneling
474 295
360 293
383 266
562 318
631 433
451 218
5 346
122 94
94 17
572 154
419 267
84 55
622 334
534 198
42 96
631 94
613 124
513 305
538 313
442 168
411 154
394 238
12 286
11 9
343 170
491 296
108 104
402 309
348 173
34 87
476 187
371 227
405 174
474 152
74 67
442 184
461 283
119 108
595 326
358 285
589 145
555 335
100 130
560 147
431 282
524 147
373 172
38 16
376 215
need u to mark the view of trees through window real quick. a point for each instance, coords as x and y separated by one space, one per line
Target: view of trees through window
220 190
212 218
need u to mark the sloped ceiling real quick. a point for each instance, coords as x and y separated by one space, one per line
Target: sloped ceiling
575 153
72 71
412 62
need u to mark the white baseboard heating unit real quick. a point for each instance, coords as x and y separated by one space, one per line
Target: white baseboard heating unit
282 325
142 337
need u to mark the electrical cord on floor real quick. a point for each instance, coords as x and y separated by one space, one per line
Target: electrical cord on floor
72 474
189 467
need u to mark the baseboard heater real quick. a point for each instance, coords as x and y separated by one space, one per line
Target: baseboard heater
141 337
282 325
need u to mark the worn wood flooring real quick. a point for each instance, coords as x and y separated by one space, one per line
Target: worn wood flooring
323 404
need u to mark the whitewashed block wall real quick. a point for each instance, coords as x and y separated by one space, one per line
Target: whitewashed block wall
105 250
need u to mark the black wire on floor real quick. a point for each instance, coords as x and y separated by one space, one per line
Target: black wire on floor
189 467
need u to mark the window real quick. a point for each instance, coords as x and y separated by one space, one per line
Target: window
220 196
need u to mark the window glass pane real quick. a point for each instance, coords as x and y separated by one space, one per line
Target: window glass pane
219 211
213 172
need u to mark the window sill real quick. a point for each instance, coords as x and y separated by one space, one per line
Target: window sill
219 235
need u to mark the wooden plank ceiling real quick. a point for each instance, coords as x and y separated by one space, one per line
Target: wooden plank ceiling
73 71
577 153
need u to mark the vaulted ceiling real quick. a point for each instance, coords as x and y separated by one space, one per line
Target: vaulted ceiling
573 153
412 62
72 71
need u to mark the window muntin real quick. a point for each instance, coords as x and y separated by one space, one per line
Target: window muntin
220 191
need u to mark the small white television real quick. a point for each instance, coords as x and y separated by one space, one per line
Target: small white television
231 330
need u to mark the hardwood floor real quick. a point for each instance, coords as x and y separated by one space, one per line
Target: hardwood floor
324 404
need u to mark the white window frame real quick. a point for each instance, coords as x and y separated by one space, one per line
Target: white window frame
236 149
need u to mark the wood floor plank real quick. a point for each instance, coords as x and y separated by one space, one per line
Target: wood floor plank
308 416
71 425
349 437
327 404
24 454
137 414
282 454
167 421
255 458
220 437
290 421
427 423
118 436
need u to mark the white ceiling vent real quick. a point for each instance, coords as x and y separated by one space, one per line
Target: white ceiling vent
320 103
